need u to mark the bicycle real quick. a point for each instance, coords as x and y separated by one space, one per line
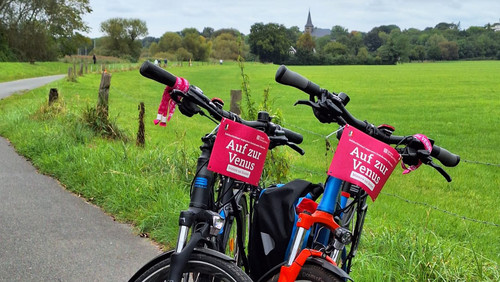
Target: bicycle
217 200
327 236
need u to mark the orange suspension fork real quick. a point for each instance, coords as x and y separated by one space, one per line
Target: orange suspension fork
291 269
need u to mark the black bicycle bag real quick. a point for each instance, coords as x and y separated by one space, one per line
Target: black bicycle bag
272 225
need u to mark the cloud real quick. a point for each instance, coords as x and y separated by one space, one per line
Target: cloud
361 15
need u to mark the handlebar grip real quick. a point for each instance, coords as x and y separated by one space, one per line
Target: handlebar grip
288 77
293 136
158 74
444 156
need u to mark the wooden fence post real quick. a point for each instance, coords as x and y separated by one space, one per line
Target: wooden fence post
53 95
140 134
102 102
235 101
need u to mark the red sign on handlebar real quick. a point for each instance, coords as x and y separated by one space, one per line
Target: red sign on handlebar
363 160
239 152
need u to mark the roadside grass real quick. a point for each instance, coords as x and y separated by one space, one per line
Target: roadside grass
14 71
20 70
457 104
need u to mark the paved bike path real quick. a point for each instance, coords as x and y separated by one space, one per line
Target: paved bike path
49 234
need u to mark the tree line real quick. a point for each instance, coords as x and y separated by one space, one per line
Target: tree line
45 30
386 44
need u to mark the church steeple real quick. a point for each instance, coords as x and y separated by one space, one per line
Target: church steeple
309 26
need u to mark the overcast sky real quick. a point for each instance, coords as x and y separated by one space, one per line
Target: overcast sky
362 15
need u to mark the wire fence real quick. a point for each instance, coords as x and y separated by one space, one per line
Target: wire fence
319 173
327 137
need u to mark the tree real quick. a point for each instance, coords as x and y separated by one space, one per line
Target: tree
432 46
293 33
449 50
183 54
321 42
33 29
270 42
335 49
148 40
363 56
69 45
400 43
225 47
122 37
170 42
417 53
394 48
153 49
338 32
354 42
207 32
196 44
306 43
372 40
218 32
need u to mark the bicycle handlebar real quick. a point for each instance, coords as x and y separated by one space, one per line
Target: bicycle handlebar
157 74
291 78
444 156
196 96
342 115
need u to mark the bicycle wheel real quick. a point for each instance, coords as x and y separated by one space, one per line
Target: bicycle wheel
200 267
313 273
353 220
230 242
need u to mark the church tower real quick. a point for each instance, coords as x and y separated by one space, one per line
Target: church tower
309 26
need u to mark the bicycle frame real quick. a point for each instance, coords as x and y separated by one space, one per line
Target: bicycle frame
323 216
209 217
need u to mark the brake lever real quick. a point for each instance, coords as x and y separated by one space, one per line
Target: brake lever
441 170
425 157
276 141
296 148
312 104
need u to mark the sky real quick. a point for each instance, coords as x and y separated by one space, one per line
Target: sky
360 15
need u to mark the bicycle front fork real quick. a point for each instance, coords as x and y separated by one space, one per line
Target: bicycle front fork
297 258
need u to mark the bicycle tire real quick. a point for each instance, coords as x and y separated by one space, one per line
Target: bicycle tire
313 273
230 234
200 267
353 220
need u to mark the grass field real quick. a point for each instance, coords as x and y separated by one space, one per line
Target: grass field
420 229
17 70
14 71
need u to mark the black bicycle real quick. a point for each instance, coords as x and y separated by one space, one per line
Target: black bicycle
210 247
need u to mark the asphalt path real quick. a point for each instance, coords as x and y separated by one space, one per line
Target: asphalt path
50 234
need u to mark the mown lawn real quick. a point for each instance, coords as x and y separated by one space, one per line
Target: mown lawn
420 228
14 71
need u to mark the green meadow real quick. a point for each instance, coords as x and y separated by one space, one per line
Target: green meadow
421 228
12 71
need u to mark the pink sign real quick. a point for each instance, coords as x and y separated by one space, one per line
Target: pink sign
239 152
363 160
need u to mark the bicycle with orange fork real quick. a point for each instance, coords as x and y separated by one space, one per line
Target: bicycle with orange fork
327 234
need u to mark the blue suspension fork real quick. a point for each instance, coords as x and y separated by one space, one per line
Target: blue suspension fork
327 204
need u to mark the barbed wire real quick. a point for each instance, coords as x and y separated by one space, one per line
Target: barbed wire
397 196
481 163
326 137
442 210
412 202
